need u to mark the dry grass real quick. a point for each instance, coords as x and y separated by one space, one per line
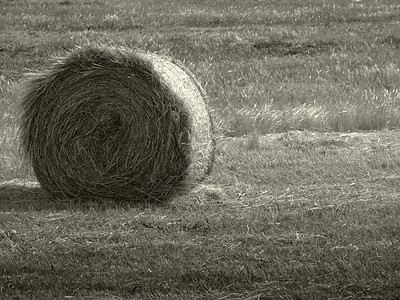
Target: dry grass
306 215
113 123
297 214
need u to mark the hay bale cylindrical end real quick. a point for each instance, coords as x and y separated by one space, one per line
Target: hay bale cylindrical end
116 123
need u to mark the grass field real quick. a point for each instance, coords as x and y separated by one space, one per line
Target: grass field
303 201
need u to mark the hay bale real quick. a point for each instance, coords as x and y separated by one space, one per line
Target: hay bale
114 123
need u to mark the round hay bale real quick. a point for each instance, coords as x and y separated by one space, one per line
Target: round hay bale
116 123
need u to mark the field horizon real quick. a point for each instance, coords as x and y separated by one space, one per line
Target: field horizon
303 199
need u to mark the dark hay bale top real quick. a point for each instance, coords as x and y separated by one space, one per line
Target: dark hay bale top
114 123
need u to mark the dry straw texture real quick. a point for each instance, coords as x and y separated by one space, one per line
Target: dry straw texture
116 123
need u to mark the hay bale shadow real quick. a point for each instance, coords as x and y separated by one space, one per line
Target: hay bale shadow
20 195
17 195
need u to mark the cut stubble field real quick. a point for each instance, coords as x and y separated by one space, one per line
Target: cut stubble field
303 199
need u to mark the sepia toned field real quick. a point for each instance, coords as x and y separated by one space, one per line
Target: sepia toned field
303 199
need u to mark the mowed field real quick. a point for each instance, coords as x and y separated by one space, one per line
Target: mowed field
303 201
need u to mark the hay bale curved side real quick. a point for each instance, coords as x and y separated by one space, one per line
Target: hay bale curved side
186 87
116 123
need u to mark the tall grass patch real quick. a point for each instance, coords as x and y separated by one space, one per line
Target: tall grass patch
11 165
